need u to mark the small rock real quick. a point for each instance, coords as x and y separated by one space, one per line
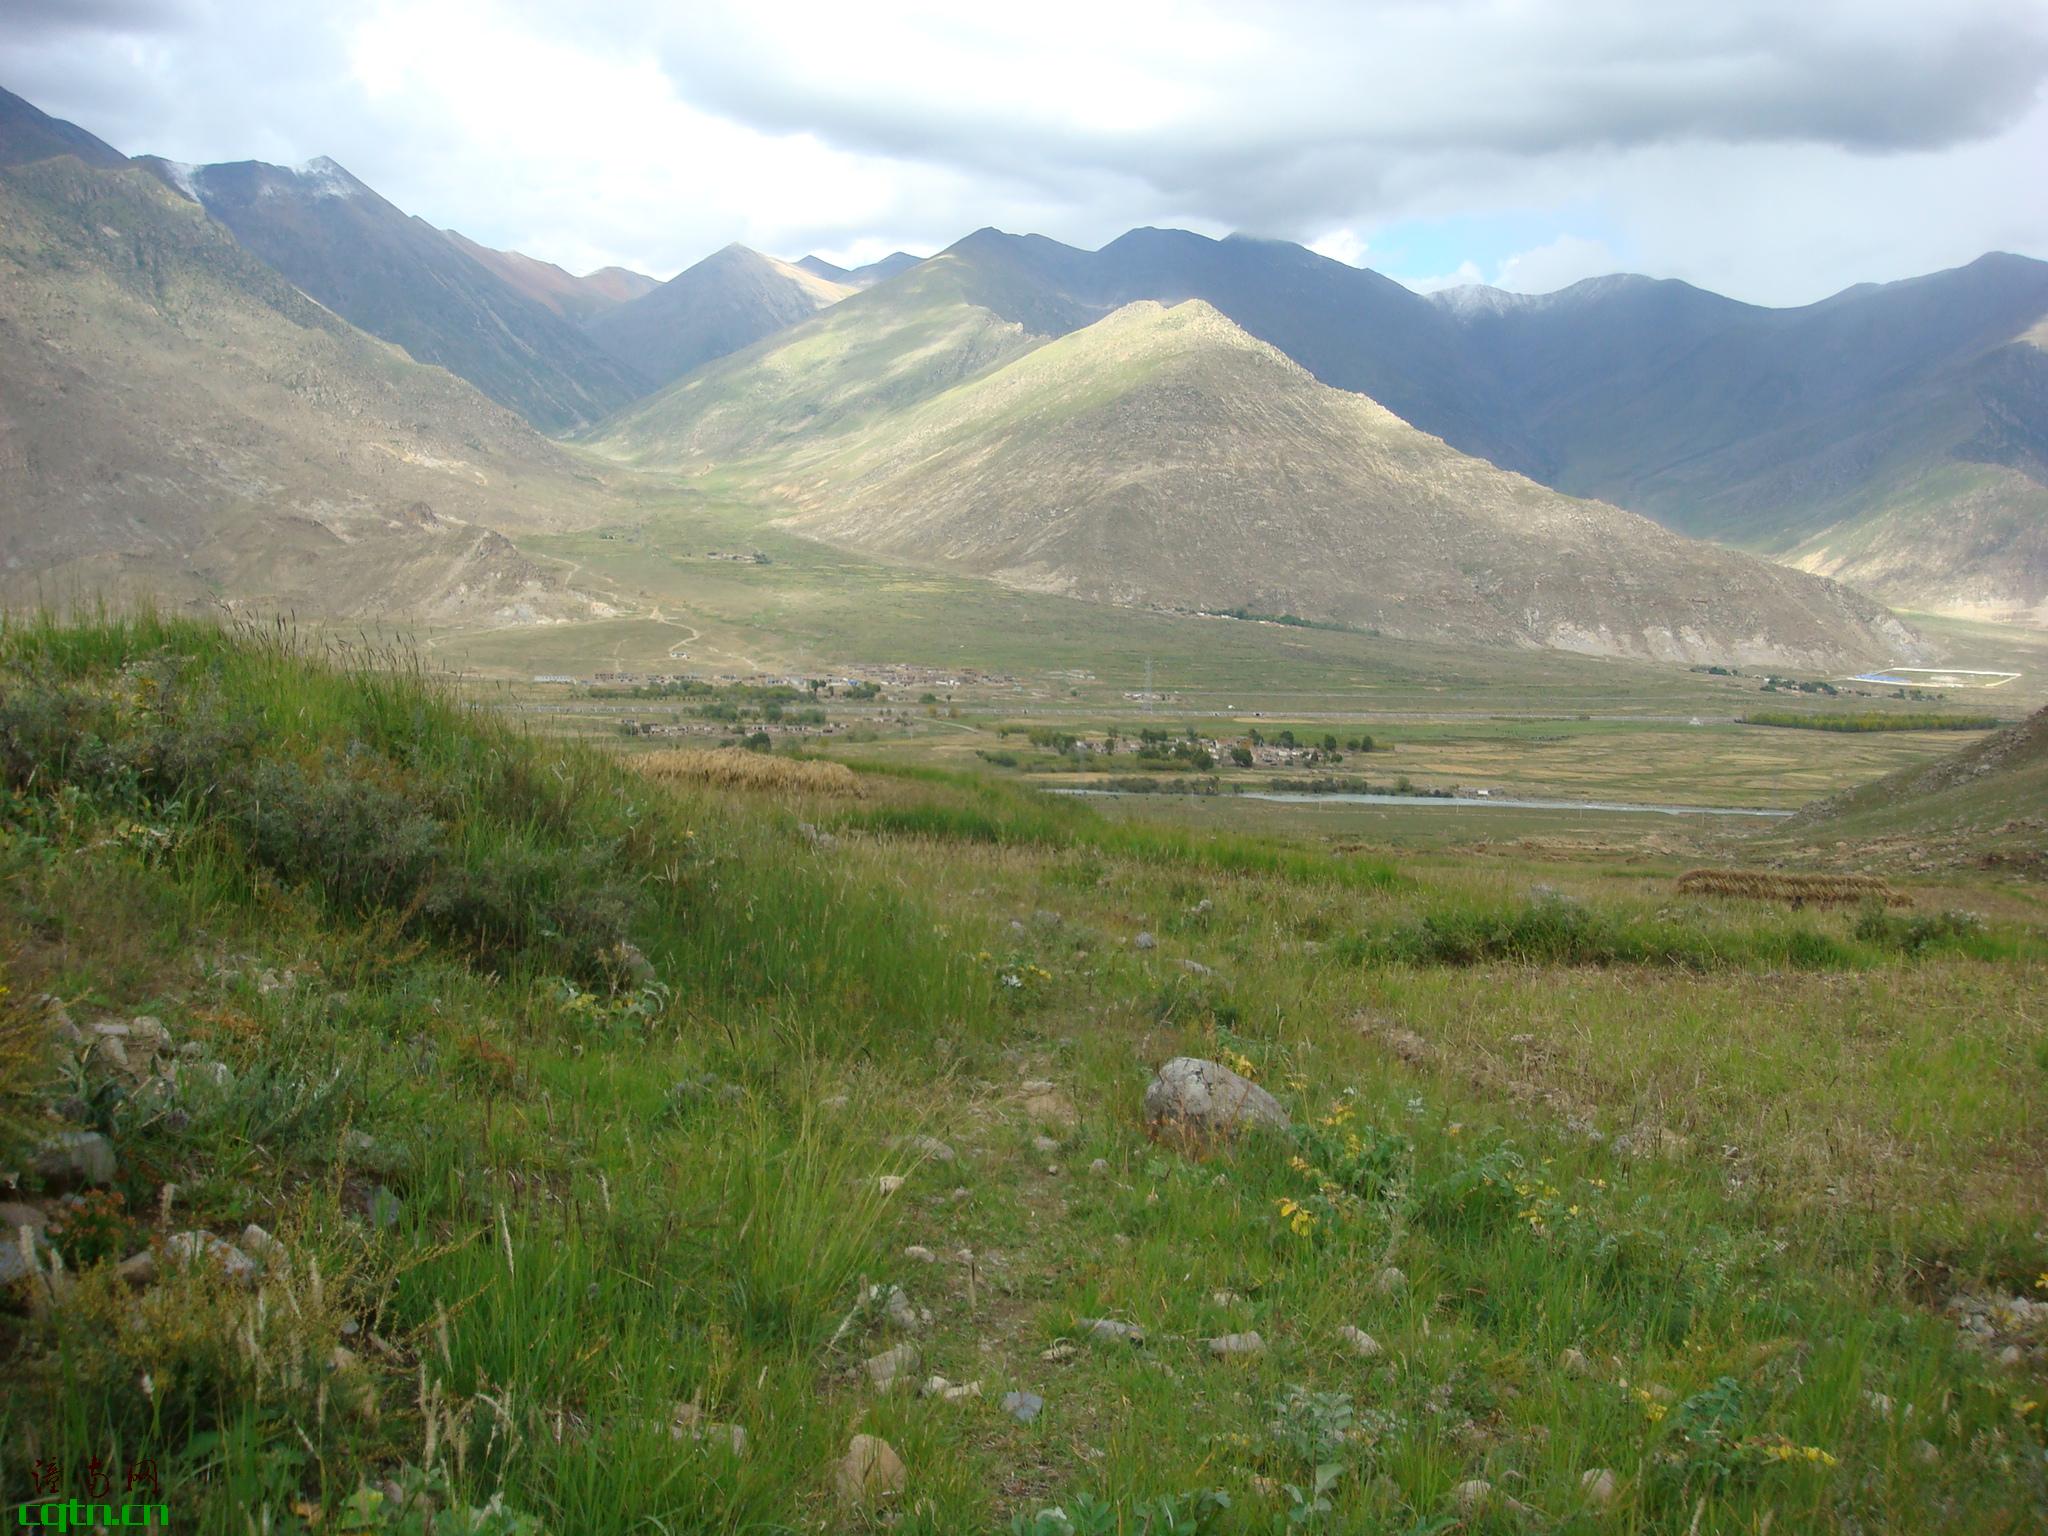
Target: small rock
138 1269
1110 1328
1237 1344
901 1314
1034 1085
1598 1487
931 1147
263 1248
1045 1144
1926 1454
870 1471
1144 941
920 1254
1203 906
1100 1167
1573 1363
833 1101
75 1159
21 1248
384 1208
1360 1342
1022 1406
1059 1352
148 1032
1225 1298
1473 1495
690 1424
947 1391
889 1183
1389 1281
892 1366
1194 967
186 1249
628 961
960 1195
1208 1098
2011 1355
14 1215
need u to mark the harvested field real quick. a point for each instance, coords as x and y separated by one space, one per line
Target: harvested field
1798 890
733 768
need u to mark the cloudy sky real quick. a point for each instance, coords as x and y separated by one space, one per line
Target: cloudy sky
1776 152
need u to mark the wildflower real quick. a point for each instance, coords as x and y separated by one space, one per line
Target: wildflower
1300 1164
2041 1284
1299 1217
1455 1128
1240 1063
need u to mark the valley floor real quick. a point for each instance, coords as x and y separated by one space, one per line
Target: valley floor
615 1130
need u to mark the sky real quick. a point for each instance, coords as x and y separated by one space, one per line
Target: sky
1774 152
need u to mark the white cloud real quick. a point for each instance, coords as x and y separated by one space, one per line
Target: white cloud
1557 264
1341 245
1776 152
1467 272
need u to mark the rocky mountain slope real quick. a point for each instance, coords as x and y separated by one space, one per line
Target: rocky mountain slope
179 419
1166 457
727 301
400 278
891 265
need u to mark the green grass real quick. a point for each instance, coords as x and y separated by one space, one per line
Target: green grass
1870 721
1735 1158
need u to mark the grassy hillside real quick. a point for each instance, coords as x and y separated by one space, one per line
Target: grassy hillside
180 420
557 1215
1166 457
1987 803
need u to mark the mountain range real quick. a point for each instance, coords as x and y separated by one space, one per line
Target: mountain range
1464 464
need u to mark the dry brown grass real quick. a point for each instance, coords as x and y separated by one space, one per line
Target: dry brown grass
1799 890
733 768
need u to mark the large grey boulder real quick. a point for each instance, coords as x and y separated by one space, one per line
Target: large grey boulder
1206 1098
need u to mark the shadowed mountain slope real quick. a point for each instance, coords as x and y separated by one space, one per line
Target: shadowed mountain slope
891 265
180 420
727 301
576 299
400 278
1166 457
28 134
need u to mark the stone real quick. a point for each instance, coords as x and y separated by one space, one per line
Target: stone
1034 1085
901 1314
1202 907
690 1424
1022 1406
1194 967
1573 1363
948 1391
14 1215
1044 1144
1144 941
75 1159
1225 1298
1230 1344
870 1471
138 1269
628 960
263 1248
1360 1343
889 1183
892 1366
1058 1353
1926 1454
931 1147
21 1250
1207 1098
1472 1495
918 1253
384 1208
1389 1281
148 1032
1100 1167
187 1249
1109 1328
1598 1487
